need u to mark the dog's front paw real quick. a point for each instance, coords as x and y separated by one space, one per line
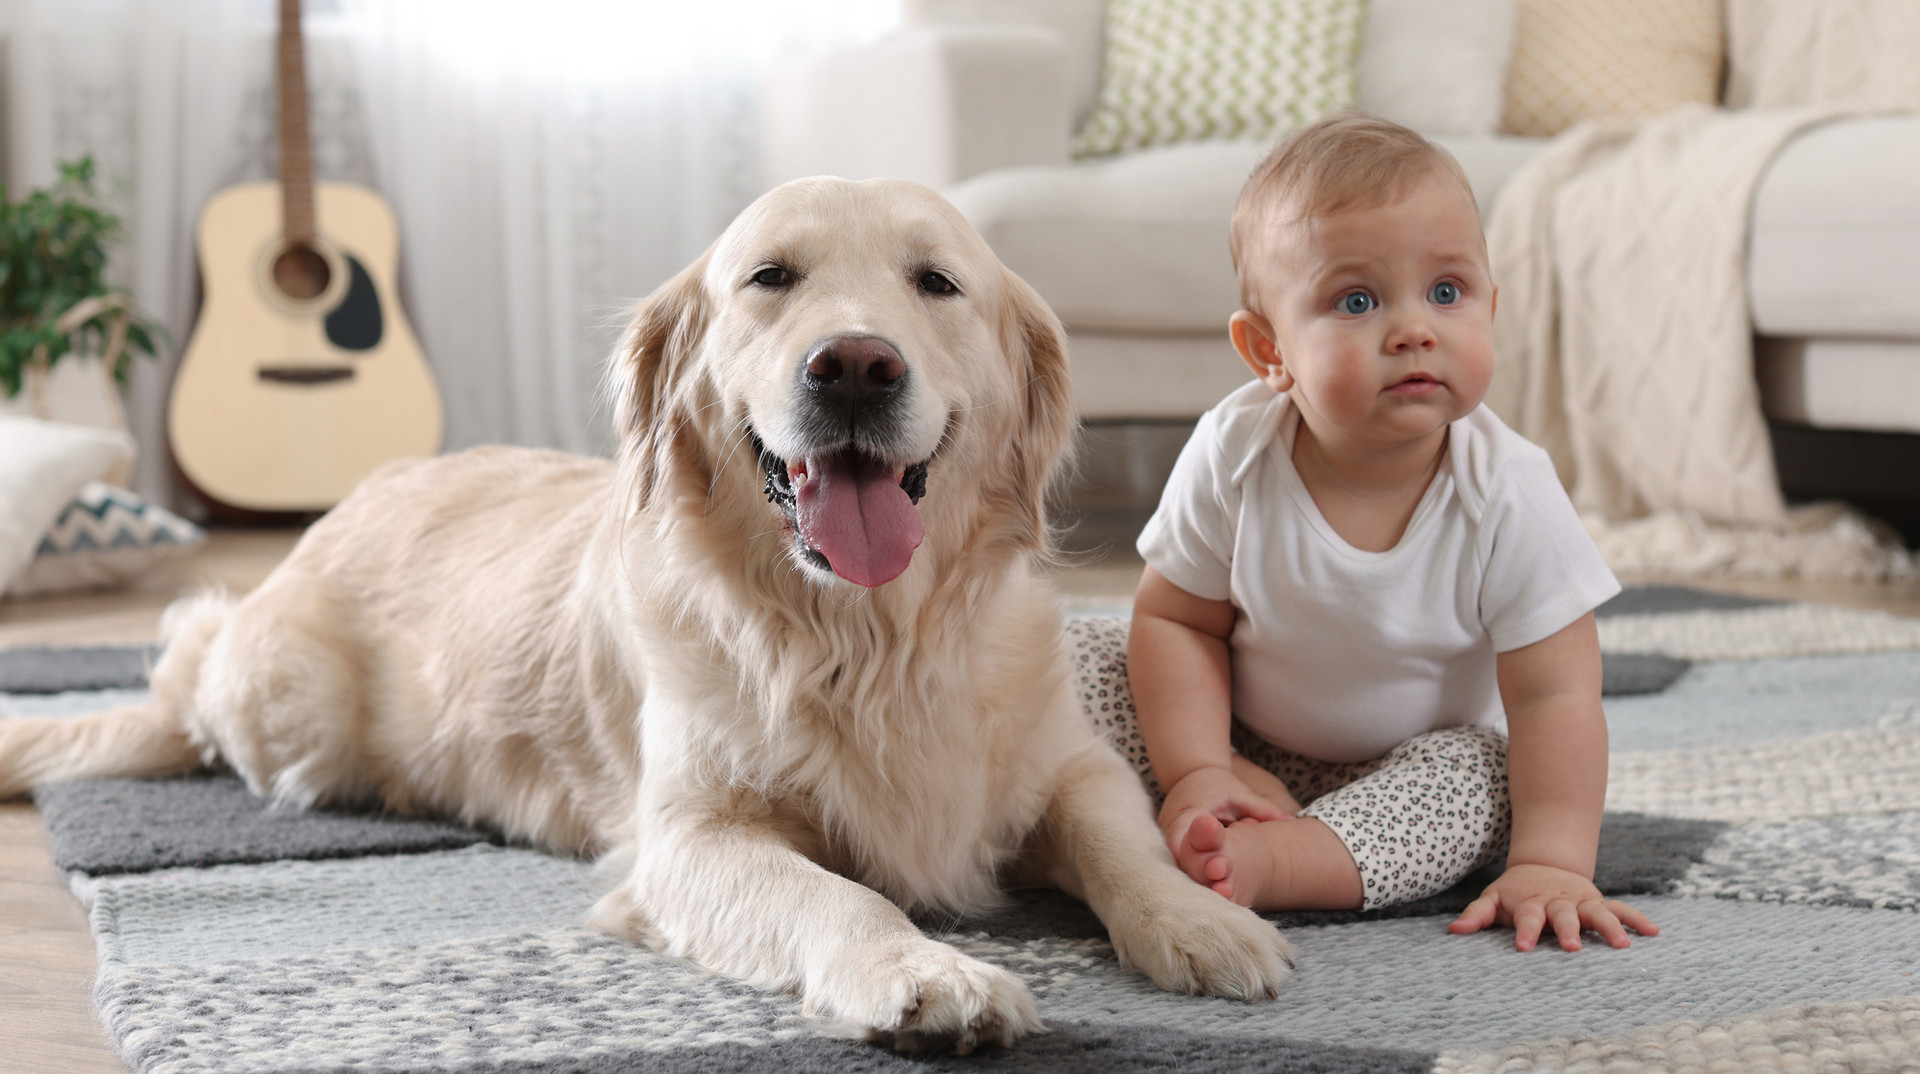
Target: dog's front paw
1188 939
921 995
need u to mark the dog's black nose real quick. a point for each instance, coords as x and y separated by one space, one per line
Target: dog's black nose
855 369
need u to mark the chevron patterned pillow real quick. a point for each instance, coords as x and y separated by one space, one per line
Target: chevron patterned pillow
103 537
1211 70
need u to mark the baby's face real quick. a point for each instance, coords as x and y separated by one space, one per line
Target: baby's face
1383 316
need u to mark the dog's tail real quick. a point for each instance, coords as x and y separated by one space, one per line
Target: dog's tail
130 741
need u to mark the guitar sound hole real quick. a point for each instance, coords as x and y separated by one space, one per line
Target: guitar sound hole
301 273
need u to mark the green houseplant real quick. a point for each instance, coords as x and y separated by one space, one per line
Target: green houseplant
54 297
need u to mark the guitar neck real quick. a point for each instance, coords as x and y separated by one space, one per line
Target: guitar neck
296 148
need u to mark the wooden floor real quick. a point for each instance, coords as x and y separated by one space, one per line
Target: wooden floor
47 1025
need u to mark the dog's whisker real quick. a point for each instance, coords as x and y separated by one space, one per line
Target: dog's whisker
688 417
978 406
742 428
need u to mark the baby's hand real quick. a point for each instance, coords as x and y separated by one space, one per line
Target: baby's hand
1528 897
1216 792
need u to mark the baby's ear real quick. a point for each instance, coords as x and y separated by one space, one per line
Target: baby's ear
1253 337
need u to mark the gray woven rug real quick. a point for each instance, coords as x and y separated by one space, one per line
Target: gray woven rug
1764 808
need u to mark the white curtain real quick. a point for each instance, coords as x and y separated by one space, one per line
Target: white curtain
549 163
157 93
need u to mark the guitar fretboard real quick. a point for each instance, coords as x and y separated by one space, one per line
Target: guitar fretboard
296 150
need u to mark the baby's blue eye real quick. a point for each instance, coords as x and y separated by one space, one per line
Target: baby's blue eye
1356 303
1444 294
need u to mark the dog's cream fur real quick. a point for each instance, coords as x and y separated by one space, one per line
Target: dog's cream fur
633 661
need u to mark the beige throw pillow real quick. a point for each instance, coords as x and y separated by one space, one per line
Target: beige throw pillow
1632 59
1206 70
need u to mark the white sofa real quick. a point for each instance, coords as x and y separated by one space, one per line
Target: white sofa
979 98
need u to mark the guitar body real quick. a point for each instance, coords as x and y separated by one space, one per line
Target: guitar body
282 402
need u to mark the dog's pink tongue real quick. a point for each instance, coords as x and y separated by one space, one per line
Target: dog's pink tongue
853 511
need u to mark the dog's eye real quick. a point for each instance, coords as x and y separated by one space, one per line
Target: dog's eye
773 276
934 283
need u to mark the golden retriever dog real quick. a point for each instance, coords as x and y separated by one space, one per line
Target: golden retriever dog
788 665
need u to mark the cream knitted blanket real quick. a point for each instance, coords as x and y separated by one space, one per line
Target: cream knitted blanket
1624 342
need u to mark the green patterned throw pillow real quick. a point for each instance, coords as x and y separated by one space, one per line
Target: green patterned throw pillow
1210 70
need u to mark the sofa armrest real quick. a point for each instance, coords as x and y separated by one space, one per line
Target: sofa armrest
934 104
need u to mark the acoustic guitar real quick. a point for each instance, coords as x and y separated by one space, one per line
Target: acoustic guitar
301 375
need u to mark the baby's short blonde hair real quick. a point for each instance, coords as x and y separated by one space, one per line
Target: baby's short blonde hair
1349 160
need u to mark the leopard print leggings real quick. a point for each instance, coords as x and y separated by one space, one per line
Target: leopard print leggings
1416 820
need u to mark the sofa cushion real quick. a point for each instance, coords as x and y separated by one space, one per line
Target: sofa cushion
1836 232
1870 384
1139 242
1582 59
1135 376
1438 68
1215 69
1078 24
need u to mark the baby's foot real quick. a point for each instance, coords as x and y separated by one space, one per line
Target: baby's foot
1200 853
1235 861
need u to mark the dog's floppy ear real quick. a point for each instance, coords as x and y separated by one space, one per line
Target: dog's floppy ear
648 377
1043 446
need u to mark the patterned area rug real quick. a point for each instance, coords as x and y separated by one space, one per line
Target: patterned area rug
1764 809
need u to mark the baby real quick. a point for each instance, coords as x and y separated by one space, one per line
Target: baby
1357 569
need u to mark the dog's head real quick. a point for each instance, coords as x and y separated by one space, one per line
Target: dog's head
850 370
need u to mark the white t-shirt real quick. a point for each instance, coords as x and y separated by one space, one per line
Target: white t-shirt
1341 654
